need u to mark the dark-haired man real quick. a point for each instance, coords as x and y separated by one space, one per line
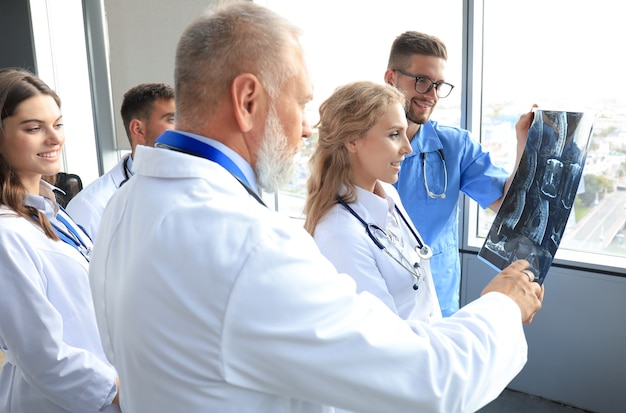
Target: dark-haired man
147 110
445 160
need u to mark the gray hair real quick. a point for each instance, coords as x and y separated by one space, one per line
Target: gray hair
231 38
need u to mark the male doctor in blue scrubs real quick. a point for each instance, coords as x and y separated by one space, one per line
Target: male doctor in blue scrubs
208 301
445 160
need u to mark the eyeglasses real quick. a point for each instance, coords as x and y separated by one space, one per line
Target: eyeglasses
424 85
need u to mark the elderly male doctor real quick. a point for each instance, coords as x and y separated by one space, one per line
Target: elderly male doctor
207 301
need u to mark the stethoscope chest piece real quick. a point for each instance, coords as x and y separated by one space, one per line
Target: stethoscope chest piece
425 252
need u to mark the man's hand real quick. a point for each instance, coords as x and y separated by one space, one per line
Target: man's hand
516 281
521 131
523 126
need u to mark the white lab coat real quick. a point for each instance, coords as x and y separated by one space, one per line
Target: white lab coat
54 358
209 302
87 206
342 238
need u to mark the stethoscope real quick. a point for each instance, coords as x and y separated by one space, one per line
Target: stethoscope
127 172
423 250
445 176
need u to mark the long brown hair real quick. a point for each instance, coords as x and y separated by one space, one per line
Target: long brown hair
350 112
16 86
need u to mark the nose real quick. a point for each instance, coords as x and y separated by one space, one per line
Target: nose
432 93
406 146
307 131
55 136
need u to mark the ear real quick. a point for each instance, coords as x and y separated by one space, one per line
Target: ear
352 145
137 132
247 97
390 77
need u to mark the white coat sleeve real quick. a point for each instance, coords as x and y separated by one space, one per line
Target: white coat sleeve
32 330
351 351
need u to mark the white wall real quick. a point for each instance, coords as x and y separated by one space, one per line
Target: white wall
577 341
143 35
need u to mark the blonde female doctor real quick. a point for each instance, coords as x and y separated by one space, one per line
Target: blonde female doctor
353 211
54 358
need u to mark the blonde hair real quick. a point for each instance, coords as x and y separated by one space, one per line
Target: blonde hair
349 113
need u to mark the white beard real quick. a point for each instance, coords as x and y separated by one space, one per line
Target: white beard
275 165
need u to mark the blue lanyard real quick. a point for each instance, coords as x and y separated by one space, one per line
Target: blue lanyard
193 146
177 141
73 238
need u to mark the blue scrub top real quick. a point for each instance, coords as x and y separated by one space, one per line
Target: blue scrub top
471 171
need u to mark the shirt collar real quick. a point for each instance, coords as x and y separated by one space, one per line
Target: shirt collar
372 207
426 139
45 201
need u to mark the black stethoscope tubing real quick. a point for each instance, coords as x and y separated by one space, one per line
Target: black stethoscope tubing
127 173
424 250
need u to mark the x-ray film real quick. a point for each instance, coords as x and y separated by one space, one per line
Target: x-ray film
535 210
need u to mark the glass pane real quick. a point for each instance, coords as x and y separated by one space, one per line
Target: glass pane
562 56
349 40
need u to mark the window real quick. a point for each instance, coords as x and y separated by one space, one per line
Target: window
558 54
562 56
59 41
349 40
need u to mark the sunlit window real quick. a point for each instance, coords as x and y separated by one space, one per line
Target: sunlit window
561 56
557 54
59 40
349 40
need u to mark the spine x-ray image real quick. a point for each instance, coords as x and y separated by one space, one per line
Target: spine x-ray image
535 210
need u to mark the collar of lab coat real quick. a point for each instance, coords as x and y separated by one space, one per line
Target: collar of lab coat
241 163
373 208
